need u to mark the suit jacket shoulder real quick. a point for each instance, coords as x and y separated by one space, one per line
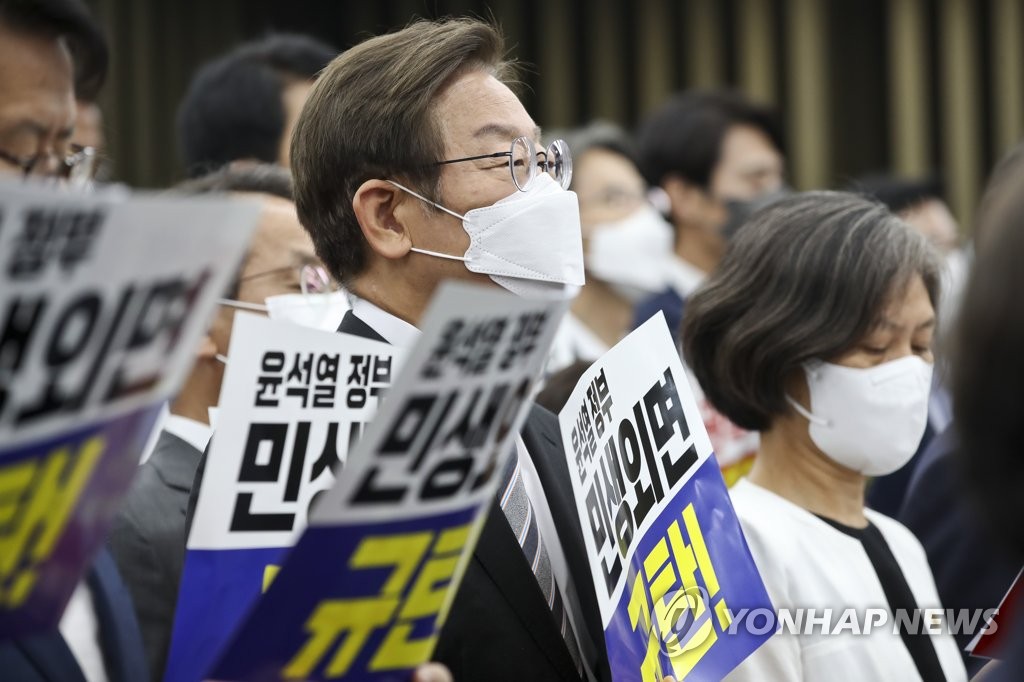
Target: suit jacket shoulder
148 541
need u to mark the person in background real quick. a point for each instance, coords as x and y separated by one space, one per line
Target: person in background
243 105
711 153
973 564
987 391
704 149
625 242
47 46
816 331
148 536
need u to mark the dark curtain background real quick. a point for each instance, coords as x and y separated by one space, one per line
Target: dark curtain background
912 86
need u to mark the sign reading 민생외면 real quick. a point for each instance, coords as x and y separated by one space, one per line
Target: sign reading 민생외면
364 592
102 301
293 402
668 557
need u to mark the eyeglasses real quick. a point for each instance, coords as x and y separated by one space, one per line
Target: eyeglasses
313 279
523 163
78 167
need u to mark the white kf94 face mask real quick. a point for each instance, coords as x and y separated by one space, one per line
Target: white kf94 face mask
631 252
317 311
529 242
869 420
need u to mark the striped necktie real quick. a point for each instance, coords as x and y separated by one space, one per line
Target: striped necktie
519 512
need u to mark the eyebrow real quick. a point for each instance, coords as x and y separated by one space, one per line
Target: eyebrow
889 324
505 131
36 128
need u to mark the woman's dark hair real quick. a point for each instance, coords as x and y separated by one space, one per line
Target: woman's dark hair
807 278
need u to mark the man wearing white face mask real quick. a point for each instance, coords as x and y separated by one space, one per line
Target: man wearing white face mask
625 242
148 537
816 331
415 163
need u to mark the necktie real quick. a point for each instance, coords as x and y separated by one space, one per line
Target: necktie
519 512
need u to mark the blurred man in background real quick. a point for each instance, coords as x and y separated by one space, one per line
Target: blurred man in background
243 105
705 149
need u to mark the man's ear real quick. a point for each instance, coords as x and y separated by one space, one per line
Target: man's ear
381 209
207 349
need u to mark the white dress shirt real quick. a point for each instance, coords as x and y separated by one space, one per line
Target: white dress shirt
80 629
682 276
806 563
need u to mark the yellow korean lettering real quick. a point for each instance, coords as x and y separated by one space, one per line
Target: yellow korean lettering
354 620
640 620
700 550
424 599
50 490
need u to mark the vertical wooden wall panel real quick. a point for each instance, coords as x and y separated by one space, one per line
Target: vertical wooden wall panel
806 112
1007 57
757 50
962 133
654 68
606 61
908 88
702 32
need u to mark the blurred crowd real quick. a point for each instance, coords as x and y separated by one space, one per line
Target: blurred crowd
855 351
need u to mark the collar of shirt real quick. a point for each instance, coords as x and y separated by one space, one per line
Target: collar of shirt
683 277
196 434
395 331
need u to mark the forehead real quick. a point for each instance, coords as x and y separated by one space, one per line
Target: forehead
476 111
36 81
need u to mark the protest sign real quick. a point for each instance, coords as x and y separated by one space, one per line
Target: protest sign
103 300
992 640
293 402
367 587
667 553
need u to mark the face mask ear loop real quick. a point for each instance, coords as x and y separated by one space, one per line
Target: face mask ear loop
426 200
807 414
222 358
436 254
242 305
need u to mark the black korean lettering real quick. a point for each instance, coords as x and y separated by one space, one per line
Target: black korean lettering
252 471
69 338
434 366
633 456
665 414
329 458
19 325
63 234
447 477
291 489
163 313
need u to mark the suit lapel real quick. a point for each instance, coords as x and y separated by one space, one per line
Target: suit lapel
52 657
350 324
120 638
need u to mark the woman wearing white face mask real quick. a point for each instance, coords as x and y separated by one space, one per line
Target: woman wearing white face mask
816 332
624 241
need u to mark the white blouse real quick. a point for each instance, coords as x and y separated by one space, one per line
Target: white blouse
807 563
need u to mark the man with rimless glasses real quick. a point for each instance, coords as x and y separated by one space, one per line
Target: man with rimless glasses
414 162
47 48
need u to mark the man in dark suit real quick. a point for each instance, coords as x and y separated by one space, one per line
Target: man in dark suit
148 536
405 145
